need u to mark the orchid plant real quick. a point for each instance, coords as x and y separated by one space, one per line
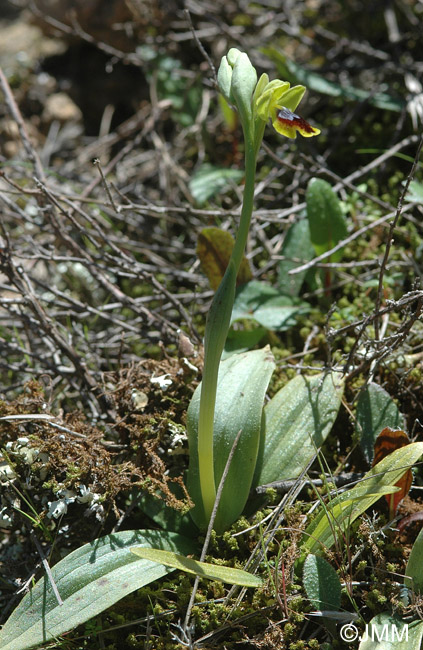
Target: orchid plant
98 574
256 102
277 442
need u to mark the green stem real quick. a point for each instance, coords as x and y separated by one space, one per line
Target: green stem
217 327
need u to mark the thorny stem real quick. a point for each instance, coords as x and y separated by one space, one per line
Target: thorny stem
217 327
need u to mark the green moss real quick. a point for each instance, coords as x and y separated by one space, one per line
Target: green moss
230 541
297 645
289 630
297 605
73 472
135 641
375 600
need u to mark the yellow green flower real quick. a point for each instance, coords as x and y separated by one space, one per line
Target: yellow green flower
277 100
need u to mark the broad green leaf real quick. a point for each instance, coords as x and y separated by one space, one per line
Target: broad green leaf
296 246
321 583
295 73
241 340
415 192
89 580
201 569
325 219
276 315
375 411
214 249
209 181
242 384
265 305
414 570
164 516
250 296
296 422
387 632
336 516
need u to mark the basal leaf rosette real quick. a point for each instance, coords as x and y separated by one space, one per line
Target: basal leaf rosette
277 100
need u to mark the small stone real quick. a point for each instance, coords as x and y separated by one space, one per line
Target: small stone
61 107
139 399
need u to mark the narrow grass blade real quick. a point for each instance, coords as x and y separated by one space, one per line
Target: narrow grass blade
201 569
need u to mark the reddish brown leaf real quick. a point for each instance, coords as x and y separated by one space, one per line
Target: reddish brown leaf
214 248
387 441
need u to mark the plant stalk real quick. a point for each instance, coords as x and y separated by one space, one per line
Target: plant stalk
217 326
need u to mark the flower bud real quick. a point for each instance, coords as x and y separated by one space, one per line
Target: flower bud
233 54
